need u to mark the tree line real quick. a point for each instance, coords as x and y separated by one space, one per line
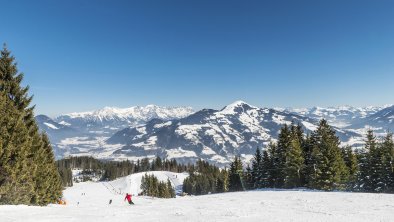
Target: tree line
28 173
205 178
151 186
317 161
111 170
314 161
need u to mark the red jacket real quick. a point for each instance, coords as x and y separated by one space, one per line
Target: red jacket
128 197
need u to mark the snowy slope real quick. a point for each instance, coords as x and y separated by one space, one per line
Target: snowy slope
131 184
264 205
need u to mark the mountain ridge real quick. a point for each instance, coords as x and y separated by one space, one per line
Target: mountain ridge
214 135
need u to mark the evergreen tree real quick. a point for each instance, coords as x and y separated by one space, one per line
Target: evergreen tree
256 179
327 166
24 151
248 178
265 170
222 181
364 182
47 179
170 189
375 171
307 154
151 186
235 175
294 164
273 164
387 170
283 145
16 182
158 163
351 163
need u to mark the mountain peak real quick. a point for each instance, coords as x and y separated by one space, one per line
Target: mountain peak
236 106
238 103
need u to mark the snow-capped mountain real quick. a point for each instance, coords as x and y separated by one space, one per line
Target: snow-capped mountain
54 129
341 116
84 132
111 119
214 135
209 134
381 121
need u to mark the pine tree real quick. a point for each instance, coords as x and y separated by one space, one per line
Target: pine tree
16 183
364 182
283 145
222 181
375 181
24 151
170 189
235 175
308 165
387 170
294 164
265 170
273 164
256 171
351 163
47 179
248 178
327 166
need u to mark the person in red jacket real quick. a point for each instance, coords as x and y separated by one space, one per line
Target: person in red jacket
128 198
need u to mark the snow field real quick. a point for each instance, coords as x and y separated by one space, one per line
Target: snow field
262 205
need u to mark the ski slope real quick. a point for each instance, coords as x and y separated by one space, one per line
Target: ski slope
131 184
262 205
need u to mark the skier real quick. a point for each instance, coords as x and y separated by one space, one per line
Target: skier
128 198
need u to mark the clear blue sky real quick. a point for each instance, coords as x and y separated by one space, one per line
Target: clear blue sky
79 55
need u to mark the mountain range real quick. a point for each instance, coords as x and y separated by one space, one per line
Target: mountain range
213 135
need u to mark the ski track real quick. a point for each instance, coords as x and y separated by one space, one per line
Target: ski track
262 205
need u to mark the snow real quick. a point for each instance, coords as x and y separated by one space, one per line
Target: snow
263 205
230 109
50 125
132 184
133 113
279 119
190 132
149 144
163 124
64 123
309 125
86 146
353 141
180 153
141 129
339 116
208 151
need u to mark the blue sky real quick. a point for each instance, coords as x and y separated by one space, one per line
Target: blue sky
82 55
